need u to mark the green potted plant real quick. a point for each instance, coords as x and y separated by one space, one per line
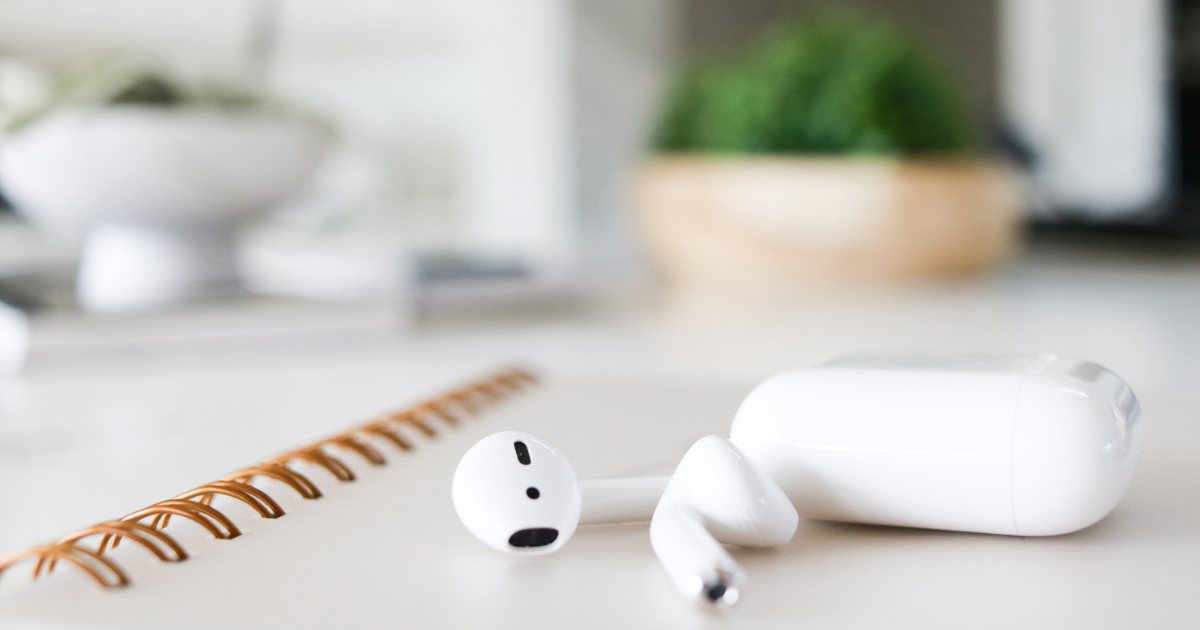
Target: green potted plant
834 149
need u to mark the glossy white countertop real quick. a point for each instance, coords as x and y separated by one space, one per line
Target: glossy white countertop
114 414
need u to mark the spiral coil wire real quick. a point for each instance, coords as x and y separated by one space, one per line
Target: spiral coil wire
195 504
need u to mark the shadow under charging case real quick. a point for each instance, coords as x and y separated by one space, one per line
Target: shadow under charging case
1028 445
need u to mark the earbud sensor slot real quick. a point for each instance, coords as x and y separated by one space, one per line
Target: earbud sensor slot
522 452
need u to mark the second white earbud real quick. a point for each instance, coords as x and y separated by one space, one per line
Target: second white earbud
717 495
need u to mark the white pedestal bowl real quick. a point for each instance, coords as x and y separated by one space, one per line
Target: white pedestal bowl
155 193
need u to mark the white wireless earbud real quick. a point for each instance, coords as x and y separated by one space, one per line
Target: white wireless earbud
717 495
517 493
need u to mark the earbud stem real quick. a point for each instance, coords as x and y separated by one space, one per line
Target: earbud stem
620 500
696 563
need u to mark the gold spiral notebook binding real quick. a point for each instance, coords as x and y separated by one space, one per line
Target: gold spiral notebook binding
196 504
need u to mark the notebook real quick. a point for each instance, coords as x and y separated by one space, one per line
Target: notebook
386 549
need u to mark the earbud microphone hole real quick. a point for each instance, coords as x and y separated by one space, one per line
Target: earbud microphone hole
532 492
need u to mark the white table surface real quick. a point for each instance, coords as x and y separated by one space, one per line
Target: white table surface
113 415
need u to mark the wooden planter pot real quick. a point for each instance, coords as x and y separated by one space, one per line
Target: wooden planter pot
778 223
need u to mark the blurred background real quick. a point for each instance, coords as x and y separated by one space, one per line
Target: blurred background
300 169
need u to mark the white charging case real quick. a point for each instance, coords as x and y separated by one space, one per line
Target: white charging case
1028 445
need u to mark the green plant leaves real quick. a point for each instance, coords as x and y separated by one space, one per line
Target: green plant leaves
836 83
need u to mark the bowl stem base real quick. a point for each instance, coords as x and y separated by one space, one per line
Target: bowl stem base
141 266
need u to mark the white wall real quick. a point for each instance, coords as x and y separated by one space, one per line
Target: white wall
1085 83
